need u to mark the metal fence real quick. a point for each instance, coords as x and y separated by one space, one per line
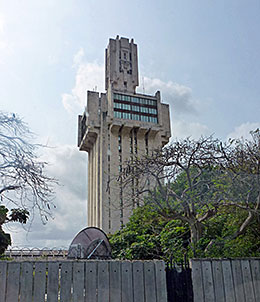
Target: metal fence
36 253
179 282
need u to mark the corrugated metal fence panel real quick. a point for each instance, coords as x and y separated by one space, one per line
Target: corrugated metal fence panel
82 281
226 280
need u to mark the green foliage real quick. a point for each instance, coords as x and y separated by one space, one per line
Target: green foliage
204 202
19 215
148 235
222 227
16 215
5 240
139 238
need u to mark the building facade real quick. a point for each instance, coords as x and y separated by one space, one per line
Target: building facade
115 126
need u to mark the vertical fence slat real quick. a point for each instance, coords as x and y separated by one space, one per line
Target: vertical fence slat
53 281
26 282
247 281
13 280
149 281
39 288
207 276
66 282
238 281
160 277
127 281
255 269
138 281
228 281
3 276
218 281
115 281
197 281
91 281
78 281
103 281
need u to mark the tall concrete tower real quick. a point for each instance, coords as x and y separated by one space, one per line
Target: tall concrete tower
115 126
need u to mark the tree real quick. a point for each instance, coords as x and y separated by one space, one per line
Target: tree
23 181
148 235
16 215
193 180
139 239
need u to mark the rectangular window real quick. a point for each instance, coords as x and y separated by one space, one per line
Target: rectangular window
134 108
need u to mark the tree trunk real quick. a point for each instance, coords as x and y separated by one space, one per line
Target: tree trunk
196 229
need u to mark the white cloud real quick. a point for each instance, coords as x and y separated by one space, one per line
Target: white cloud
178 96
184 109
78 57
184 128
2 23
3 42
243 130
89 76
71 103
69 166
183 106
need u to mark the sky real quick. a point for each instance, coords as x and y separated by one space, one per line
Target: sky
203 55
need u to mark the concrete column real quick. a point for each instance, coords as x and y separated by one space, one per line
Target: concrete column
127 201
114 185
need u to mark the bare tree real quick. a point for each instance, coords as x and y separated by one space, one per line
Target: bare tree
242 168
191 180
23 182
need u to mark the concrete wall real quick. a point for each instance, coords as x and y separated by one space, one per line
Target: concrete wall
226 280
92 281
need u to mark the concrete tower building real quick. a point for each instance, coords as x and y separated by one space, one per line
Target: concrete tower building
115 126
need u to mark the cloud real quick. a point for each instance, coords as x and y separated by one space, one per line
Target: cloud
69 166
183 106
184 128
89 76
184 109
2 23
178 96
243 130
3 42
78 57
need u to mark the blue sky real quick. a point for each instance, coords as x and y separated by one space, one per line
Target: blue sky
204 56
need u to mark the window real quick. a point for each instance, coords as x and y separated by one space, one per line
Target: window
125 110
117 114
136 108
